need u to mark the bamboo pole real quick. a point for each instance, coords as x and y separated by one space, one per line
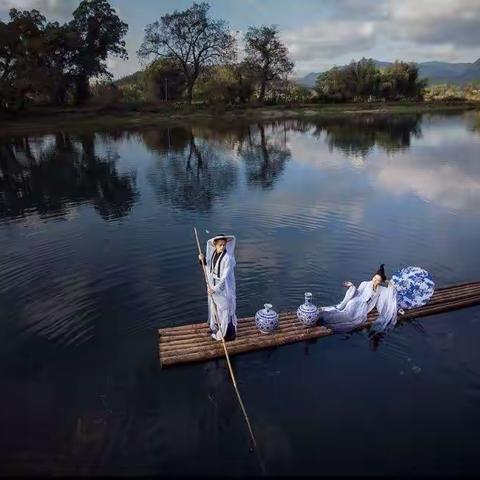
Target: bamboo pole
240 401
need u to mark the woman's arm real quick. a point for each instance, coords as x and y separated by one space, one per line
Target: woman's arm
348 296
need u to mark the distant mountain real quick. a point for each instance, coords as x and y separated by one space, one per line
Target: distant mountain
436 72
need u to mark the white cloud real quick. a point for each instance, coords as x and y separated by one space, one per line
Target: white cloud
342 30
328 40
436 22
57 8
415 30
321 46
447 185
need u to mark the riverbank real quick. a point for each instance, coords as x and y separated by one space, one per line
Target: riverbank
131 116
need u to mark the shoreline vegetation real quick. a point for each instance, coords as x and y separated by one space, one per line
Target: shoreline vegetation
122 115
55 76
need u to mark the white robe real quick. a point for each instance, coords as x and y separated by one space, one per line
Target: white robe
356 305
224 288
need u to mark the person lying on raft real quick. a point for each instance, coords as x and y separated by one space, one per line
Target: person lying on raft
358 302
220 264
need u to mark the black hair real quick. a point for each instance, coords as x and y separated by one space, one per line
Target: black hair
381 272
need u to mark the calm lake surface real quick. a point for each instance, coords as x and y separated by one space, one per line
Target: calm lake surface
97 252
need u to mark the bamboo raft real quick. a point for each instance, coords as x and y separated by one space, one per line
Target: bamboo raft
192 343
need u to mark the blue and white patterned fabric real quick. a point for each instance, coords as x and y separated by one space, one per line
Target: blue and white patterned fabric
414 287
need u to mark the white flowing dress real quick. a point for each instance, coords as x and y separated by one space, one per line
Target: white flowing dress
221 279
357 303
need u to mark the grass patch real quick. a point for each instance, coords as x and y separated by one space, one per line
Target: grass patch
138 114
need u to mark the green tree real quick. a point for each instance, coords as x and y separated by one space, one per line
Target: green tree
266 55
231 83
192 38
245 82
164 80
356 81
101 34
333 85
363 80
404 82
21 57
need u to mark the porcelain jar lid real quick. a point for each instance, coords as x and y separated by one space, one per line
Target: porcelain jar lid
307 306
267 311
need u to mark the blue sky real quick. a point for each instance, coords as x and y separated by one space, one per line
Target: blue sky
318 33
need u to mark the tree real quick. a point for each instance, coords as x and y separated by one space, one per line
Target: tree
404 80
101 34
192 38
333 85
245 82
356 81
40 60
363 80
164 80
59 46
21 57
266 55
230 83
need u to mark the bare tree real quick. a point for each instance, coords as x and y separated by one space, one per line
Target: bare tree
190 37
266 55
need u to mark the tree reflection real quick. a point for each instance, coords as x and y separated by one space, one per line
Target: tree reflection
190 173
358 135
49 175
265 154
476 123
196 168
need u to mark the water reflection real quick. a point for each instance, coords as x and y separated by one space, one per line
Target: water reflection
189 173
476 123
441 169
265 152
81 300
48 175
358 135
263 147
196 166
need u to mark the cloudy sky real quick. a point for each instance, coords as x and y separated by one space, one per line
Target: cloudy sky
319 33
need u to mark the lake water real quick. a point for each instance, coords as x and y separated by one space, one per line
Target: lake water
97 252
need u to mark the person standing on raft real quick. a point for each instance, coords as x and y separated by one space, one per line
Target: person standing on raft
220 264
358 302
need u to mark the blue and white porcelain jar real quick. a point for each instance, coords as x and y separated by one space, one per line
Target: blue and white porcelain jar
308 313
266 319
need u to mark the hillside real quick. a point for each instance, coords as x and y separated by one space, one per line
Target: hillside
132 78
436 72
